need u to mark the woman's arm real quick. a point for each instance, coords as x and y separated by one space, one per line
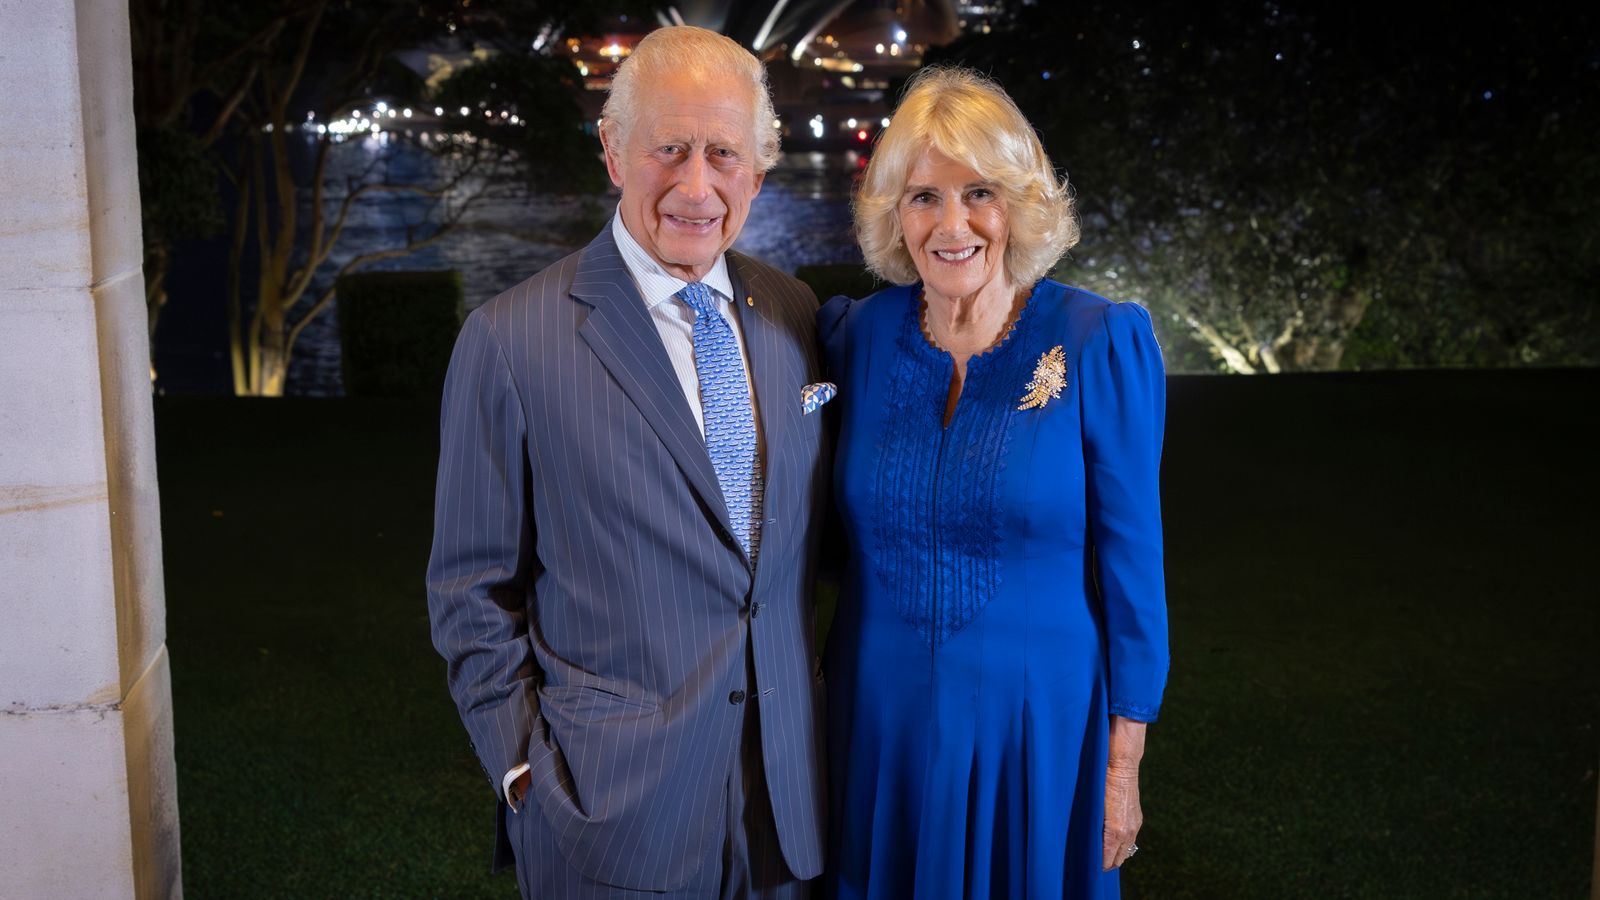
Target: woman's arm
1124 815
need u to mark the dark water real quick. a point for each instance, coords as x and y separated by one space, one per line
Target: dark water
801 217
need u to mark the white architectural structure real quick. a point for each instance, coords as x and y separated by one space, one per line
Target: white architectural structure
88 800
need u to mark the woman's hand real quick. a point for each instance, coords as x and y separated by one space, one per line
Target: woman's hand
1123 813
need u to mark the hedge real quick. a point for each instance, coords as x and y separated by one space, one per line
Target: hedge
397 331
849 279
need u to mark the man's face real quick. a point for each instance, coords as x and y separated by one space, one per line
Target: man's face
687 170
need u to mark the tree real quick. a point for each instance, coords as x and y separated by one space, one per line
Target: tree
183 54
1265 177
334 58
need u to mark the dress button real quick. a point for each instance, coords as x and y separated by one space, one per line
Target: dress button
736 697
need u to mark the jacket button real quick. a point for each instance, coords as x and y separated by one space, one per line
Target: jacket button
755 610
736 697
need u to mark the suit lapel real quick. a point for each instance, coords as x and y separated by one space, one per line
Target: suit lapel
625 339
776 400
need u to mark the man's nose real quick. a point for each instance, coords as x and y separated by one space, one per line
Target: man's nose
695 183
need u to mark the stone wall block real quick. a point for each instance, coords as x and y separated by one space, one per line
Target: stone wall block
44 233
64 831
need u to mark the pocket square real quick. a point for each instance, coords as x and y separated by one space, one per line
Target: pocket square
812 396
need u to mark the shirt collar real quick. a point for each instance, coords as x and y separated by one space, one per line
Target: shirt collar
655 284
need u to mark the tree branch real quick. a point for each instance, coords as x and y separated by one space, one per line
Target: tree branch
411 246
1219 345
259 189
241 225
230 104
363 259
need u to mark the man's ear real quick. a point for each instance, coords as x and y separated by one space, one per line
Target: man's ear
761 178
612 146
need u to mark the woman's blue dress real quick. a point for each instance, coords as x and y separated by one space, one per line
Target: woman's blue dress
1004 596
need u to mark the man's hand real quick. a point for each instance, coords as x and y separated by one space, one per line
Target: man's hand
1123 812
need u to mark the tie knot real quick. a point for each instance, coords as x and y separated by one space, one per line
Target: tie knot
700 298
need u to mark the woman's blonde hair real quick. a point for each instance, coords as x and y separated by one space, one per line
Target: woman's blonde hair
970 119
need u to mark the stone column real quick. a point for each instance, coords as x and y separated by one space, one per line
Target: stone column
89 804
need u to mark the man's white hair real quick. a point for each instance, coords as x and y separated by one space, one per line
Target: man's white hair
685 48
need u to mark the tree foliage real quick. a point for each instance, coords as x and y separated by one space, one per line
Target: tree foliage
1293 187
225 86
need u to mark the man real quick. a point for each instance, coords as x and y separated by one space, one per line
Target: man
627 519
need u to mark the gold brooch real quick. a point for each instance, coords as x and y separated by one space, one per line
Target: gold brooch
1049 377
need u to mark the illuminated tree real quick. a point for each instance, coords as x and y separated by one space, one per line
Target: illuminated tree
1281 187
245 114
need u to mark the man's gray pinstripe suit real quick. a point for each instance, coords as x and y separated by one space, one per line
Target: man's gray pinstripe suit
585 588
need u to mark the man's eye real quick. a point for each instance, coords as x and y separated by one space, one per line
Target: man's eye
671 149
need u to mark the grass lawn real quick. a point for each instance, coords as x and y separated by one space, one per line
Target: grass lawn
1386 659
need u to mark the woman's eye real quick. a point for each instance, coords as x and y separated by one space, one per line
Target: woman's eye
982 194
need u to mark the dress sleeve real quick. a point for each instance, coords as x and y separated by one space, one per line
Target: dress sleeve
831 329
1123 389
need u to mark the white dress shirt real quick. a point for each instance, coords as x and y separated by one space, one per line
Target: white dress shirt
674 320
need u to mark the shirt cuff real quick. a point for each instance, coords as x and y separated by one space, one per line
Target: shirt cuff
505 785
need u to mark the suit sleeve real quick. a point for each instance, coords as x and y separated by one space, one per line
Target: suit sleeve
481 570
1123 388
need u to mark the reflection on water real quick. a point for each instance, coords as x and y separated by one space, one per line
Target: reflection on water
801 216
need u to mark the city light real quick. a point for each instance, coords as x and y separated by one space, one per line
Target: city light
861 135
850 122
900 36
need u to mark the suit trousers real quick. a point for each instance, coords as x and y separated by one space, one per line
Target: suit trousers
748 865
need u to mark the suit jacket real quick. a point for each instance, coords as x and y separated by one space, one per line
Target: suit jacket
585 587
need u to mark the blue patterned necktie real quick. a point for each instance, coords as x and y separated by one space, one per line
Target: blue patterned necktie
730 425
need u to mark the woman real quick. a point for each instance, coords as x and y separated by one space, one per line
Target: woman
1000 641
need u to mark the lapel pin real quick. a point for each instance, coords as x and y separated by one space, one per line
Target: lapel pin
749 300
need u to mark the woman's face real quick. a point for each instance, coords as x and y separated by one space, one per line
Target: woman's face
955 227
